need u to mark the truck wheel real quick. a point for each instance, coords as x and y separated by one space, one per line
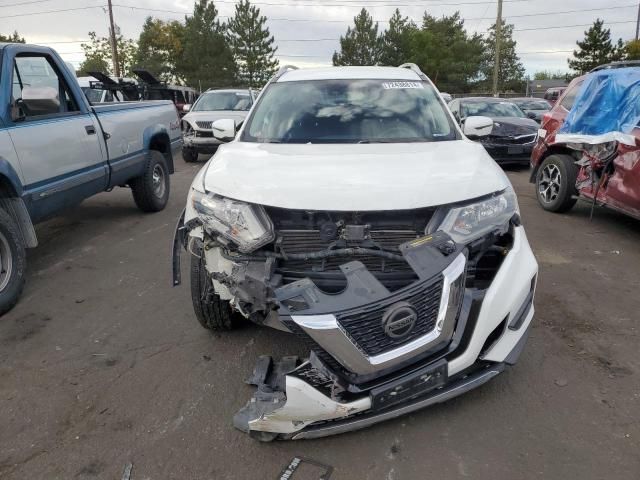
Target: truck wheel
13 262
151 189
212 312
189 155
556 183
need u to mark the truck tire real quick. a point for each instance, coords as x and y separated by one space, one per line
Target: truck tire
189 155
212 312
13 262
556 183
151 189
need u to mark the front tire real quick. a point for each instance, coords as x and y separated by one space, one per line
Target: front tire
212 312
13 263
151 189
190 155
556 183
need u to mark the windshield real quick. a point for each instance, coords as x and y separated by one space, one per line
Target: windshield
94 95
533 104
215 101
349 111
491 109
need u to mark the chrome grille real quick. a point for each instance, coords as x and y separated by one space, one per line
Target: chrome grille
364 324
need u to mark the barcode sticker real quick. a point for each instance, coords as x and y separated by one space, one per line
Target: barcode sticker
394 85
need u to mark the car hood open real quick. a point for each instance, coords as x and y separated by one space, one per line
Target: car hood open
352 177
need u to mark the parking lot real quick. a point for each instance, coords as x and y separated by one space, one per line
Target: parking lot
102 364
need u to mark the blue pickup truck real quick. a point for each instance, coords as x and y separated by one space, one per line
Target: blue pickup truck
57 150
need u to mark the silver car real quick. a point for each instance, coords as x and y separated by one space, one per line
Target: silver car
212 105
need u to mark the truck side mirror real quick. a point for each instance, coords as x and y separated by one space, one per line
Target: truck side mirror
477 126
224 129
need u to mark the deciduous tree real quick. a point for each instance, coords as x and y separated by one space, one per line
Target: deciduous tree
12 38
159 45
447 53
98 54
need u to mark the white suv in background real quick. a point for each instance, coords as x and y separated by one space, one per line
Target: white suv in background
212 105
351 211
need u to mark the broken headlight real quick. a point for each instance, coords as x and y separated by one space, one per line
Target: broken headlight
246 225
468 222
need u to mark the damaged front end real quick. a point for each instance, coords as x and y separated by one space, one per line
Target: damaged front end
399 309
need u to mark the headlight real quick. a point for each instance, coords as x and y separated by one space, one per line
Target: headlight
472 221
248 226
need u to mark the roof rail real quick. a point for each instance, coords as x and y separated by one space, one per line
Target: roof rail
415 68
282 70
620 64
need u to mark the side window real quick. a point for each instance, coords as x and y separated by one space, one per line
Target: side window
38 89
108 96
570 97
455 109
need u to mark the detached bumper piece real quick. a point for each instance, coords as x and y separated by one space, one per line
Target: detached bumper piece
298 400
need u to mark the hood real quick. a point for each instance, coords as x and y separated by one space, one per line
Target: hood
513 126
353 177
537 112
212 116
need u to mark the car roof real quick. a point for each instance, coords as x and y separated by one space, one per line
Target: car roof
349 73
232 90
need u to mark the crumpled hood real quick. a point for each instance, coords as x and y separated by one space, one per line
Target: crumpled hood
513 126
352 177
212 116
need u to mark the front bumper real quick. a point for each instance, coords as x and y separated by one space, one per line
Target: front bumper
312 399
202 144
510 154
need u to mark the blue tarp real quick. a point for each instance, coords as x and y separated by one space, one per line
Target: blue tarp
608 103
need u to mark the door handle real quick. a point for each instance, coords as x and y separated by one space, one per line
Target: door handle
91 130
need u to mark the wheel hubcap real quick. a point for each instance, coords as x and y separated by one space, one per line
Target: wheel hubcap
158 181
6 262
549 183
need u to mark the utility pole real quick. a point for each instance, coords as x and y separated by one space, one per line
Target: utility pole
638 22
496 67
114 42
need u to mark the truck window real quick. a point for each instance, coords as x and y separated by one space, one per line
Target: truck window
38 89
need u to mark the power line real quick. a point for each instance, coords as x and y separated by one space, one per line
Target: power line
571 26
51 11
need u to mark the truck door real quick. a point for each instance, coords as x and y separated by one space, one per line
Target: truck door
55 137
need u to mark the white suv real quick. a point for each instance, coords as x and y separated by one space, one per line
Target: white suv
212 105
352 212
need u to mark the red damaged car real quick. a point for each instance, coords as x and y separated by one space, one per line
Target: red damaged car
588 145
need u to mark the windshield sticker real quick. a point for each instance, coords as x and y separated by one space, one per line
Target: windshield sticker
396 85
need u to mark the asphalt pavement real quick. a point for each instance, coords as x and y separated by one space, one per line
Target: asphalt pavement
103 365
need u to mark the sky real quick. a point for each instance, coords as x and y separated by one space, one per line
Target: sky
307 32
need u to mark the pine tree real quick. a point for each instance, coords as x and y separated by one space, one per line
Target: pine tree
444 50
360 45
396 40
252 44
510 70
596 49
206 60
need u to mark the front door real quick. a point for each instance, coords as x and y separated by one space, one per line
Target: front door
55 138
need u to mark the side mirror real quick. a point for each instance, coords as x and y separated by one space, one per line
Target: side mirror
186 107
40 100
531 115
475 127
224 129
